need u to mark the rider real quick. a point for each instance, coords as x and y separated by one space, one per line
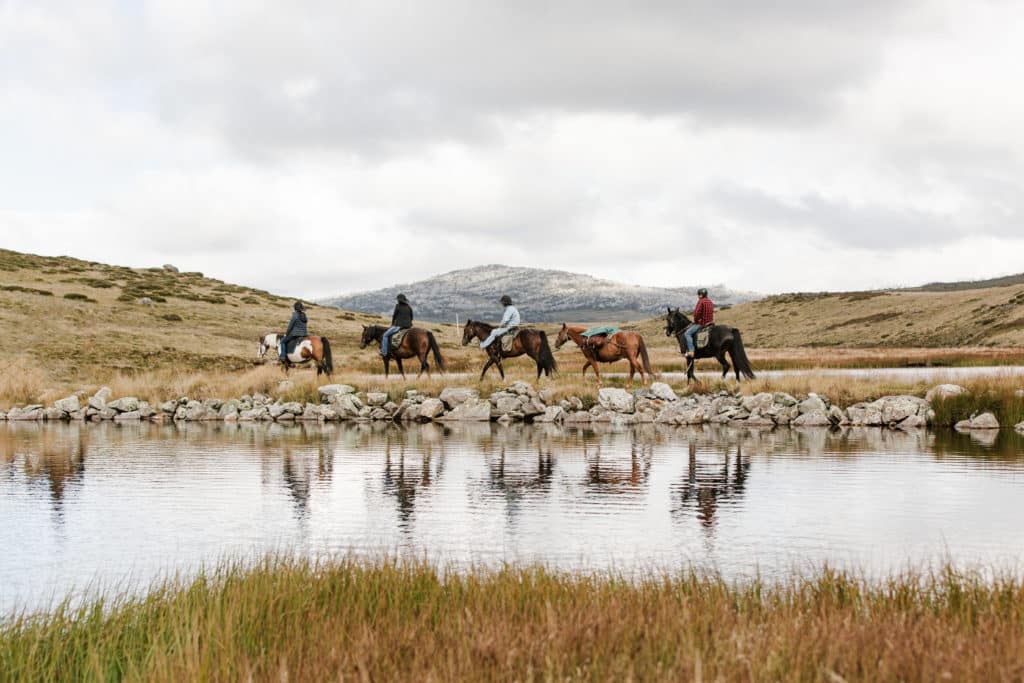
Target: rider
509 319
703 315
296 329
401 319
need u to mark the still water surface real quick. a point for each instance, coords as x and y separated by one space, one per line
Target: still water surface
117 505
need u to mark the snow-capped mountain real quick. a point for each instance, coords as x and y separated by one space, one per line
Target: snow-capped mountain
540 295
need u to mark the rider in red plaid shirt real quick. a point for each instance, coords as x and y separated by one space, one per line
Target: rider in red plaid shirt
703 314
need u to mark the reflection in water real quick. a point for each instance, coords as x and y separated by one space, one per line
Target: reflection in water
159 497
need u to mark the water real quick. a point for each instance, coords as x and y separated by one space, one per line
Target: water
113 506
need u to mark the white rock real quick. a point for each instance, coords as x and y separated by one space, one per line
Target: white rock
506 404
124 405
555 414
329 390
470 410
1019 427
812 404
431 408
814 418
984 421
453 396
68 405
681 414
103 394
943 391
663 391
618 400
376 398
522 389
130 416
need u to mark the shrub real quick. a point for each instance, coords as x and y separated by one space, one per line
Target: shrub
75 296
172 317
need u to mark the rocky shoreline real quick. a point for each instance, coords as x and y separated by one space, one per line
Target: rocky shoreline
518 402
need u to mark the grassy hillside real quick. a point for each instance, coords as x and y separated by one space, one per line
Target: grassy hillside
71 324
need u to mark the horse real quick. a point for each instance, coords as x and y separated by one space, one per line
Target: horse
417 343
315 349
534 343
723 339
622 344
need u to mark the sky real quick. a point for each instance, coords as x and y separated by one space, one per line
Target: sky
319 147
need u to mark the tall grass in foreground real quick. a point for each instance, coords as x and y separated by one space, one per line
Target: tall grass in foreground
349 620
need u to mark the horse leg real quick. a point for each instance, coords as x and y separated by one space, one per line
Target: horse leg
489 363
501 368
725 364
401 369
387 367
632 369
689 370
424 365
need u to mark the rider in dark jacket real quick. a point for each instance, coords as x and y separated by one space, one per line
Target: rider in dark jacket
401 319
296 328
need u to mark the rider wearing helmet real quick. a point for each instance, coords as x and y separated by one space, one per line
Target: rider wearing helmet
401 319
509 320
296 329
703 315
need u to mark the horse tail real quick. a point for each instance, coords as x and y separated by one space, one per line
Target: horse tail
327 363
437 351
644 357
544 356
739 355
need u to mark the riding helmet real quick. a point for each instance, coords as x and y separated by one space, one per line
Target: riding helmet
299 306
506 300
401 298
702 292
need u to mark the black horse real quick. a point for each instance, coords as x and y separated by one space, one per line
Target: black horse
724 339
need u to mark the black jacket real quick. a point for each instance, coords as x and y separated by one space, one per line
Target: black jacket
402 317
297 325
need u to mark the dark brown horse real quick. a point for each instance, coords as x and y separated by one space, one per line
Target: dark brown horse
622 344
534 343
418 343
723 339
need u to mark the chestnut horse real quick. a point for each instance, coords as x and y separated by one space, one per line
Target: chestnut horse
315 349
417 343
622 344
534 343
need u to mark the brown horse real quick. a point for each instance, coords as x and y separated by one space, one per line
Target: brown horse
418 343
622 344
315 349
534 343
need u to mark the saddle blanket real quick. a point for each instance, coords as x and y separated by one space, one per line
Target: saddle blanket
293 343
595 331
508 339
397 338
703 337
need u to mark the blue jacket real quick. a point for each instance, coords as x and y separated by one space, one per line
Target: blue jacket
297 325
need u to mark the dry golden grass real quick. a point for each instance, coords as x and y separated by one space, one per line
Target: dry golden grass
294 620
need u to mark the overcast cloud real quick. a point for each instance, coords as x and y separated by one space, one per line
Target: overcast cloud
319 147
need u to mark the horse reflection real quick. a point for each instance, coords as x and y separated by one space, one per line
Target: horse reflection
709 485
406 482
607 475
60 465
300 473
515 483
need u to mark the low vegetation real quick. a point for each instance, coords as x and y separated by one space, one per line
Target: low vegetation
292 619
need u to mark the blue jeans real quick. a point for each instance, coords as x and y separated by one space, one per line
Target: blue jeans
690 334
284 347
495 333
386 339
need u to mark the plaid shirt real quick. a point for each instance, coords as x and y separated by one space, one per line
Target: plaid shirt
704 312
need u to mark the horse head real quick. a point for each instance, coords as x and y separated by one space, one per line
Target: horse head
563 336
267 342
367 336
675 322
468 332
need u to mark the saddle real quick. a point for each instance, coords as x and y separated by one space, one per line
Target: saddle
397 338
703 337
293 343
508 339
596 337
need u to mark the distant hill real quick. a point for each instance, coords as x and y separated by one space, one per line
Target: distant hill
541 295
1005 281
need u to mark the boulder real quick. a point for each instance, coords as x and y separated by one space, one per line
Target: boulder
130 416
106 414
555 414
54 414
681 414
196 411
983 421
943 391
662 391
1019 427
67 405
146 410
577 417
913 422
615 399
168 407
812 404
98 402
522 389
376 398
505 404
346 404
836 415
104 394
431 408
124 405
454 396
784 399
470 410
531 406
169 268
814 418
329 390
759 402
293 407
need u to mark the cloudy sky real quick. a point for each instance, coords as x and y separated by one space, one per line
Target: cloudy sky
318 147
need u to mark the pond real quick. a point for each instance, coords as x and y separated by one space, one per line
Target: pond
89 507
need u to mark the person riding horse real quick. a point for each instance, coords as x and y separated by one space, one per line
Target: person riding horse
401 319
509 320
703 315
296 329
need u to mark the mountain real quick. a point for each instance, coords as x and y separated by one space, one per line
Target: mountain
540 295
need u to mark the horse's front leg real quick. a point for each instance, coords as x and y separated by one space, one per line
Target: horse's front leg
400 368
501 368
387 366
489 363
